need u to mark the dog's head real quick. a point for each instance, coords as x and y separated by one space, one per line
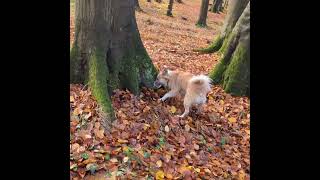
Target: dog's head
162 78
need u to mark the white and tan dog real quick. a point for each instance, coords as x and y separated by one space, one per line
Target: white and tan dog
194 87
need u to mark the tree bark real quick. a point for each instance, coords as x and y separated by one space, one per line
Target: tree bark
108 52
215 8
169 11
234 12
202 21
179 1
148 0
233 70
137 5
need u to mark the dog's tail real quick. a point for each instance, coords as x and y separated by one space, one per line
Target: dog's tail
202 80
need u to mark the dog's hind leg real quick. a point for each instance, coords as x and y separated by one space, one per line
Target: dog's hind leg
169 94
186 110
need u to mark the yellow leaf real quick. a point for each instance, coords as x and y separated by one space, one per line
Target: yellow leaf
221 102
210 97
122 141
173 109
232 120
71 99
160 175
146 126
159 163
241 175
197 170
166 128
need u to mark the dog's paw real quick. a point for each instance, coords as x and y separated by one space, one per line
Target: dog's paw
162 99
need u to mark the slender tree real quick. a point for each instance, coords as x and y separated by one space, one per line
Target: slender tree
202 21
108 52
170 5
233 70
216 6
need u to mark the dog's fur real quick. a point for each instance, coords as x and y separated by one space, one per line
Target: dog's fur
195 88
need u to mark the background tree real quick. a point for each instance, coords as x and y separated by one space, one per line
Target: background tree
203 13
137 5
233 70
235 9
108 52
169 11
148 0
179 1
216 6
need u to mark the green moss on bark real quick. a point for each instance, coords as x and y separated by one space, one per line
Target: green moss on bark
213 47
236 79
98 73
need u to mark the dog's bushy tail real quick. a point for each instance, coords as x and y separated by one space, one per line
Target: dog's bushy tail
202 80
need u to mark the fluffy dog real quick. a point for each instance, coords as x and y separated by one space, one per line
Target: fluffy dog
194 87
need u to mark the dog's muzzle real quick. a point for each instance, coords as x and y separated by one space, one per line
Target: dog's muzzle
157 84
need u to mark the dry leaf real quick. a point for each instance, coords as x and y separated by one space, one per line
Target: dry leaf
125 159
160 175
114 160
232 120
187 127
173 109
166 128
159 163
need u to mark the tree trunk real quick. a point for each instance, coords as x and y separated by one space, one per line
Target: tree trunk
179 1
233 70
234 11
137 5
203 13
148 0
215 8
169 11
108 52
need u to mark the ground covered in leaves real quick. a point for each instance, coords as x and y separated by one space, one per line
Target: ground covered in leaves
148 140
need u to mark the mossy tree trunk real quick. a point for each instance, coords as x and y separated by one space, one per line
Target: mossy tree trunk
170 5
107 52
234 12
216 5
233 70
202 21
137 5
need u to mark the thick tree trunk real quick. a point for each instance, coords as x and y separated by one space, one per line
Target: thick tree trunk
215 8
169 11
107 52
137 5
234 12
202 21
233 70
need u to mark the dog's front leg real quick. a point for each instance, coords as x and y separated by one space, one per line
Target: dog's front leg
169 94
186 110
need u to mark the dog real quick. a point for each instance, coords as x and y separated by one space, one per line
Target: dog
194 87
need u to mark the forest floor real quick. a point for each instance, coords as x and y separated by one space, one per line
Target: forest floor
148 140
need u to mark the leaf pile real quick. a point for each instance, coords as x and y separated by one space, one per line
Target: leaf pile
149 141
